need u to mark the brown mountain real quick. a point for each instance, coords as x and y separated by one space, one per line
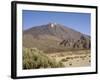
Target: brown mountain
54 37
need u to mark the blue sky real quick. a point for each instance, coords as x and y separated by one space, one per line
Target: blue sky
77 21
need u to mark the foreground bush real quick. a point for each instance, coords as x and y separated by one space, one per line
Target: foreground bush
35 59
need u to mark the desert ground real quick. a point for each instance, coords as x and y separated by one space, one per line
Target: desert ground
78 58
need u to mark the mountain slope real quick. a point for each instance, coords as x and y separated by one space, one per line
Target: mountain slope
54 37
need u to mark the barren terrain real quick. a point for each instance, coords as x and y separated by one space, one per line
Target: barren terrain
78 58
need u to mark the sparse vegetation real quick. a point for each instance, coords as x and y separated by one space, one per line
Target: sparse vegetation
64 60
73 58
35 59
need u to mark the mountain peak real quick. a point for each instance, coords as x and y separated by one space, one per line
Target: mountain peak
52 24
54 29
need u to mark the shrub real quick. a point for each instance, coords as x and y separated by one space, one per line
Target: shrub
64 60
35 59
